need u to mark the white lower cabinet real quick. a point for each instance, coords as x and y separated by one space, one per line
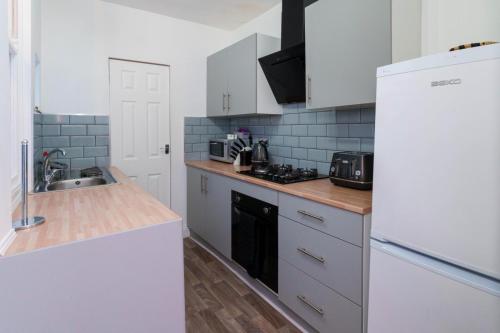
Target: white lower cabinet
209 208
322 273
324 309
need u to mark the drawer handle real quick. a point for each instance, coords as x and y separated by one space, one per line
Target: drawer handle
312 306
316 217
309 254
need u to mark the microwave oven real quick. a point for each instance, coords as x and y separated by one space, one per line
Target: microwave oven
220 150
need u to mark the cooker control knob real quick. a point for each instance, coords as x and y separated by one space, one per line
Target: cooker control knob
266 210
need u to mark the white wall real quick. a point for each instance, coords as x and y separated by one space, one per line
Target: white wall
268 23
448 23
406 29
80 35
5 185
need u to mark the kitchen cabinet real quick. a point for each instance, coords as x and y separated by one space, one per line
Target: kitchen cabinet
323 251
209 208
327 249
217 83
195 200
345 43
236 84
217 215
329 260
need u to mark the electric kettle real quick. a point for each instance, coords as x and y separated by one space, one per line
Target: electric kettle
259 153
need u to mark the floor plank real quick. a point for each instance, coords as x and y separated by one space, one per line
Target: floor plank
218 301
266 310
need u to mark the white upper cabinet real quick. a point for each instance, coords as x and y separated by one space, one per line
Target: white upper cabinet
236 84
345 43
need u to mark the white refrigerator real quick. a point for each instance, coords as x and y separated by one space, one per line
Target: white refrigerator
435 247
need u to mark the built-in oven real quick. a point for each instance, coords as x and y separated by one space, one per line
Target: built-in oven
254 243
220 150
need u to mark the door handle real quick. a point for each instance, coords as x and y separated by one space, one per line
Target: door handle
228 102
309 98
166 149
206 184
203 183
223 102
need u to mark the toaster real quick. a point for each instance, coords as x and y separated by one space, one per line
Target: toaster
352 169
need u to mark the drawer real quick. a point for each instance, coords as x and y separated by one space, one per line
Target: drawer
318 305
331 261
333 221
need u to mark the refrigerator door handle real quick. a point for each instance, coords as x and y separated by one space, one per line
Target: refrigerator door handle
479 281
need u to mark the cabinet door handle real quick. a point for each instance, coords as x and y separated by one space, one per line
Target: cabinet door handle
311 305
316 217
228 102
309 254
201 184
223 102
309 98
206 183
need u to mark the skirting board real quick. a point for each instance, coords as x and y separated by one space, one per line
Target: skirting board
7 241
259 289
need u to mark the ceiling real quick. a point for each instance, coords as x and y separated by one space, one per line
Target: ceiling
223 14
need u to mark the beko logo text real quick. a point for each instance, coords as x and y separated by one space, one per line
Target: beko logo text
445 82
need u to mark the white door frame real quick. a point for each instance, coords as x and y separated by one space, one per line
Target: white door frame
169 114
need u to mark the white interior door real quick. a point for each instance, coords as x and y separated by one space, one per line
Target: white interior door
139 124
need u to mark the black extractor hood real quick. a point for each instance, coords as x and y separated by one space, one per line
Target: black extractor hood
285 70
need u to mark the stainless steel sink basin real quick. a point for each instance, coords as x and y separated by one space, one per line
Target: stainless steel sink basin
69 184
75 183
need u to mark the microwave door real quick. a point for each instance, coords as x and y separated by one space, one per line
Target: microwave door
217 149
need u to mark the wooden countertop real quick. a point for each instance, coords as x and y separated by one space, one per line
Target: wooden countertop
80 214
322 190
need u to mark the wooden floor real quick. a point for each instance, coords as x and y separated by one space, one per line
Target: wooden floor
217 301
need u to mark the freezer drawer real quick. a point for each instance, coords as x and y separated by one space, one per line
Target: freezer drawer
333 262
412 293
320 306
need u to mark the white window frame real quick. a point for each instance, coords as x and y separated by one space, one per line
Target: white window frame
19 21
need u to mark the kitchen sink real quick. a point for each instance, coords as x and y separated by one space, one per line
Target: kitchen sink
75 183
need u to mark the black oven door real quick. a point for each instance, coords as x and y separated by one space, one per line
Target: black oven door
254 238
